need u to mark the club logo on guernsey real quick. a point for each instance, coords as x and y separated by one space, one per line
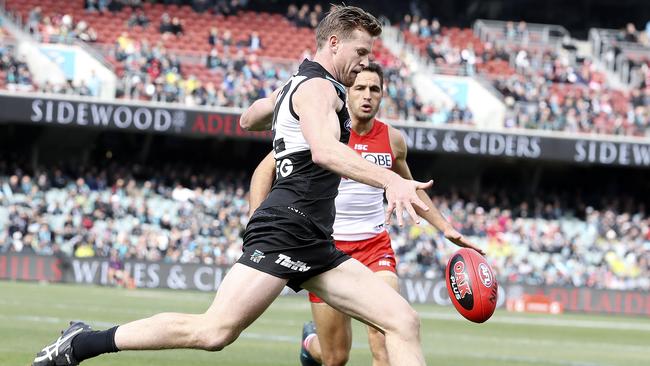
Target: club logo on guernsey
257 256
285 261
348 124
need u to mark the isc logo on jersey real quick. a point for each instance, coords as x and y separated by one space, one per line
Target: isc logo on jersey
382 159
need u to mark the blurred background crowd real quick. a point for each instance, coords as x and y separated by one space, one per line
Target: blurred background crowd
228 53
174 214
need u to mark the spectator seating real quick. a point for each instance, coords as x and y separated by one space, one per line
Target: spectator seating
545 85
194 217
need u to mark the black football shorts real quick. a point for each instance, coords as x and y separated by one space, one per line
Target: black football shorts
283 243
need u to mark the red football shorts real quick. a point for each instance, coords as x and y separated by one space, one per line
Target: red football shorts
375 253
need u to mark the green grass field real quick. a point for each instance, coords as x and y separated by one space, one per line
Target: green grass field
31 315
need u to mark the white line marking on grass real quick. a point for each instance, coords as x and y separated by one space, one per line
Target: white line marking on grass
524 359
355 345
471 338
52 320
173 296
478 356
544 322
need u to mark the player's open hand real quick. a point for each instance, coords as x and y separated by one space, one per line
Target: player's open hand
401 195
457 238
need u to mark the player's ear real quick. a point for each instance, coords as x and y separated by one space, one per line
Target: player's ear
333 42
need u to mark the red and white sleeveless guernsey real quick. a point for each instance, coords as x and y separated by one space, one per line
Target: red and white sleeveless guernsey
359 229
360 207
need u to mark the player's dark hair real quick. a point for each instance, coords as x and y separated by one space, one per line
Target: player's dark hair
342 20
376 68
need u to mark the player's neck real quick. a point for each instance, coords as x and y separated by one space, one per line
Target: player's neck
325 60
362 127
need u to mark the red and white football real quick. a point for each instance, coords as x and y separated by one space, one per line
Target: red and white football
471 285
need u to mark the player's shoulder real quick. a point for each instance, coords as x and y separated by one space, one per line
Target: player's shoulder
394 133
380 122
396 138
312 69
318 88
313 72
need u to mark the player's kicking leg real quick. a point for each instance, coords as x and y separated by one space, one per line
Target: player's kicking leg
332 337
242 297
376 339
353 289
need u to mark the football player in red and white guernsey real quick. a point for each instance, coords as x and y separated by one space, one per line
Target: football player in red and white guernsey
360 223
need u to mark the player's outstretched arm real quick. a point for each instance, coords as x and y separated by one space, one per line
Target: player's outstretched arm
261 182
259 116
316 102
433 216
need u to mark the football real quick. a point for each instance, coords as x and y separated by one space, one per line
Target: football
471 285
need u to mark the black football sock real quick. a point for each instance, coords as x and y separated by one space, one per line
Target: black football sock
92 344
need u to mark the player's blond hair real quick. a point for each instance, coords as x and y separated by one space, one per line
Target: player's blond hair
342 20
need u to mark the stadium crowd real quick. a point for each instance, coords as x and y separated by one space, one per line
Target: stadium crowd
244 75
543 87
90 213
630 34
16 72
58 28
539 243
154 73
172 214
238 74
17 76
551 92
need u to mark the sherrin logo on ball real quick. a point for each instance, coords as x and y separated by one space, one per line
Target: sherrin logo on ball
465 270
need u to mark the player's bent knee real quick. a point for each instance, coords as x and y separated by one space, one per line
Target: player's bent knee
216 339
406 324
412 323
217 342
335 358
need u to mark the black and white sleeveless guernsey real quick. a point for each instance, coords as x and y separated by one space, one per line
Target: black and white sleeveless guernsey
290 234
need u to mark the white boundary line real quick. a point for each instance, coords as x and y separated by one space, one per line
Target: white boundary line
355 345
546 321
